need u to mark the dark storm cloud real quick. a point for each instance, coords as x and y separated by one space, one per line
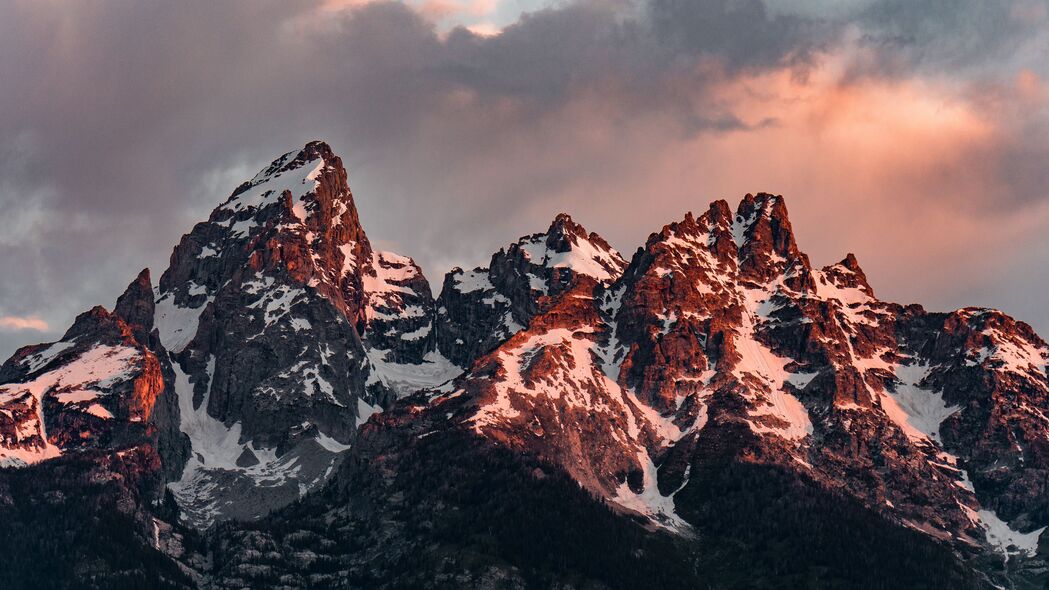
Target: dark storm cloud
121 124
742 32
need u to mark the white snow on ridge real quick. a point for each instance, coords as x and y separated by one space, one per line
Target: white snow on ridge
268 187
515 360
390 268
847 296
583 258
97 368
1017 357
36 361
583 377
853 301
382 288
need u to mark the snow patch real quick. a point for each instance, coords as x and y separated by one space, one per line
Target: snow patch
1006 540
177 324
583 257
407 378
37 360
916 410
650 503
81 380
365 411
469 281
267 187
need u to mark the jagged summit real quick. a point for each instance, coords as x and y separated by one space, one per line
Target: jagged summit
136 305
297 167
296 217
480 308
847 275
297 174
566 244
289 331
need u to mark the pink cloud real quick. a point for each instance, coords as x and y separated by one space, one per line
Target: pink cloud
12 322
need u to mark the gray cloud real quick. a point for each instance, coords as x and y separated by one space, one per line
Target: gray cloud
127 123
743 32
952 34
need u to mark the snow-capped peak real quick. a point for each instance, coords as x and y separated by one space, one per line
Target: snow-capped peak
295 172
566 244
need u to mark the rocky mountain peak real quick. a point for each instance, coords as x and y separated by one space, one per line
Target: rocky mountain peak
313 175
567 245
847 274
763 234
104 386
565 235
136 305
757 241
563 224
85 322
481 308
286 327
851 263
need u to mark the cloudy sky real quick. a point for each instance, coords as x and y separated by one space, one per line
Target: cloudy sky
913 133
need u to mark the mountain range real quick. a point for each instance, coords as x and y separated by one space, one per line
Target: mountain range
288 407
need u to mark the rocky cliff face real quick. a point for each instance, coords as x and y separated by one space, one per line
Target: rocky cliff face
106 384
720 335
288 331
718 390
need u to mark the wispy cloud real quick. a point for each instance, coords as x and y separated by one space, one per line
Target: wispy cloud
33 323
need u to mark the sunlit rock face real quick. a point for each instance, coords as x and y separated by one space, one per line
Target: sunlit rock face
106 384
720 334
